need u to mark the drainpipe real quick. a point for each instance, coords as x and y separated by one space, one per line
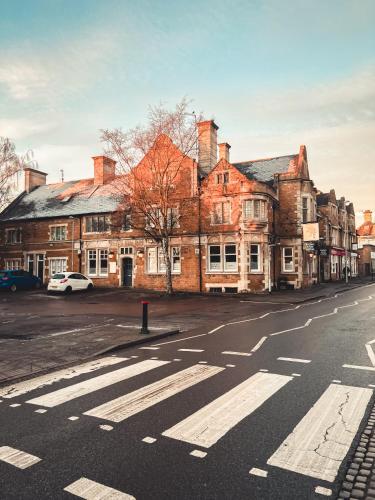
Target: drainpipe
80 245
199 236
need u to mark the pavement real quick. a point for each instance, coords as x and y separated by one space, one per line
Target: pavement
272 405
40 332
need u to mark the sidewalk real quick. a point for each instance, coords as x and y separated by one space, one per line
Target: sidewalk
25 354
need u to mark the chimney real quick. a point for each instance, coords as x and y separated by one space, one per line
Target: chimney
207 145
33 179
224 148
104 170
368 215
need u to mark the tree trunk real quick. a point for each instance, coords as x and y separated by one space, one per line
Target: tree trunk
168 266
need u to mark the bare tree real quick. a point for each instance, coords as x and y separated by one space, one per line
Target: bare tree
150 161
10 165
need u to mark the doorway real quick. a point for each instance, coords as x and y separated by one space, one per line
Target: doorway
127 271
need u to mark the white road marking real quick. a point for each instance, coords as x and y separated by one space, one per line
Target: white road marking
177 359
149 440
191 350
371 385
230 366
150 348
11 391
90 490
94 384
296 374
134 357
321 440
295 360
41 410
370 352
263 370
323 491
154 357
15 405
73 418
357 367
258 472
256 347
234 353
181 340
202 362
125 406
105 427
17 458
206 426
336 381
198 453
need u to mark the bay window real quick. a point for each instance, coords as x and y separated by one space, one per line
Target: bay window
13 264
254 209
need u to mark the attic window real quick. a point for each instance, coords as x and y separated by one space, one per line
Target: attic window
222 178
66 199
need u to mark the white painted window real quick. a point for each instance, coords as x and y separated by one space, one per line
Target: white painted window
97 224
57 265
176 260
305 210
255 262
92 262
161 262
334 264
103 262
57 233
13 236
156 262
173 217
221 212
152 262
230 258
254 209
126 250
13 264
97 262
288 260
214 257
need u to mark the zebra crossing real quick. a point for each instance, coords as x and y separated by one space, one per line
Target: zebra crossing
315 448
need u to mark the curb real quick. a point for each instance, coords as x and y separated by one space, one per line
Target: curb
112 348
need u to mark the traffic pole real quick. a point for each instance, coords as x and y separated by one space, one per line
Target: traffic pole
144 329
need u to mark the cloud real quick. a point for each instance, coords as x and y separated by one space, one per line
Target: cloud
21 128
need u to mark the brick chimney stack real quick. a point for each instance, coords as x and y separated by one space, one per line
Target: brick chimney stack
104 170
33 179
207 145
224 148
368 215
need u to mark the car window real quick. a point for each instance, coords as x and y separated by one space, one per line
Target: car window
58 276
81 277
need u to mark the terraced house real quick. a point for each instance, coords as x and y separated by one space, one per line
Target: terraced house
239 225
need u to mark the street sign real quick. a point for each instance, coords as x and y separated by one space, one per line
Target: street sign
372 255
309 246
323 252
310 231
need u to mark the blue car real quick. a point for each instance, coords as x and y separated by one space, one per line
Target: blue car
18 279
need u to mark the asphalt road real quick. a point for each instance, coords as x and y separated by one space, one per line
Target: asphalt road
292 422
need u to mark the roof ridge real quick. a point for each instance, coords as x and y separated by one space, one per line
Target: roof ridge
265 159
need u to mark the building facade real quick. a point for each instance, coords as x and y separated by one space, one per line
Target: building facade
240 226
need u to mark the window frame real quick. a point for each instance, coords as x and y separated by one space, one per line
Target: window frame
159 266
9 267
93 223
259 260
226 254
53 228
249 209
17 231
52 260
284 256
218 220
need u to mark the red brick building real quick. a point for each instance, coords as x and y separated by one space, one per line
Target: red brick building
240 225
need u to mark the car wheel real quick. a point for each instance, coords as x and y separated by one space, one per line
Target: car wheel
90 286
68 290
13 288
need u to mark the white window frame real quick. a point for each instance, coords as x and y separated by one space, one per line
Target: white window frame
217 268
52 230
97 254
57 262
152 252
220 218
258 254
176 259
157 260
230 266
305 209
223 266
13 264
292 266
249 209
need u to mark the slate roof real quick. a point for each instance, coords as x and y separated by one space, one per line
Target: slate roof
265 170
63 199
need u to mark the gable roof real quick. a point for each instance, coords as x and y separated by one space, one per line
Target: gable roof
264 170
63 199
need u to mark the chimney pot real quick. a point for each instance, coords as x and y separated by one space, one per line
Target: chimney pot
207 145
33 178
224 148
104 170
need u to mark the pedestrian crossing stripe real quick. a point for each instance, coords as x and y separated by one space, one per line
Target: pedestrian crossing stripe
321 440
125 406
206 426
93 384
18 458
91 490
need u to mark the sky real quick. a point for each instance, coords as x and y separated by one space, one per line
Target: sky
274 74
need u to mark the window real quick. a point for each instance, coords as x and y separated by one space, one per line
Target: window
103 262
161 262
305 210
92 262
255 258
225 177
221 212
288 264
222 178
152 263
126 250
12 264
57 265
218 178
254 209
214 253
97 224
127 223
176 260
173 217
13 236
57 233
230 258
97 262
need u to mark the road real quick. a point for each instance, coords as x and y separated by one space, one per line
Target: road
265 408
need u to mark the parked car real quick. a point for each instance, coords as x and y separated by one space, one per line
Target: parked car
69 282
18 279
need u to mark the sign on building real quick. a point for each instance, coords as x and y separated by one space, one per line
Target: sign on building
372 255
310 231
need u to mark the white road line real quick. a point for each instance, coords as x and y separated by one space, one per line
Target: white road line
296 374
235 353
90 490
181 340
14 390
258 472
17 458
321 440
73 418
41 410
150 348
323 491
198 453
294 360
370 353
106 427
94 384
191 350
357 367
125 406
256 347
206 426
149 440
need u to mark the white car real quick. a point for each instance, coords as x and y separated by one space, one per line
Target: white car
69 282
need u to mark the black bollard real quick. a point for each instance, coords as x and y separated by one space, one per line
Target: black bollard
144 329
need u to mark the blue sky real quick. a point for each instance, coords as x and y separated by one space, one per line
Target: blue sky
273 74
